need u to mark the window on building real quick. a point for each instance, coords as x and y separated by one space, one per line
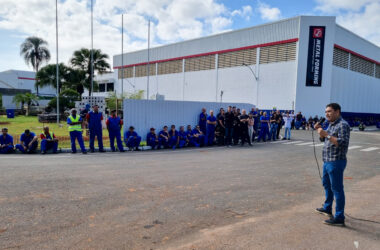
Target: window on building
170 67
200 63
237 58
128 72
102 87
110 87
141 70
278 53
377 70
361 65
340 58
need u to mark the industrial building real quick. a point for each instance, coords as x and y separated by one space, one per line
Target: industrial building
300 64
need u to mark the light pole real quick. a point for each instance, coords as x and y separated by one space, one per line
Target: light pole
122 57
57 66
147 83
257 83
92 49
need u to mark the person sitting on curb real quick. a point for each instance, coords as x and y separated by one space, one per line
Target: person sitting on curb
6 142
28 142
48 141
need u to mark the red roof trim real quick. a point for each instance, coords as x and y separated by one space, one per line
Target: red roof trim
212 53
26 78
356 54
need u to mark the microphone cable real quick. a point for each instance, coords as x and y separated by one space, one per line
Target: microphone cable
320 176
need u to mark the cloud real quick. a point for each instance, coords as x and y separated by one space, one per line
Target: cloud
360 16
268 13
172 21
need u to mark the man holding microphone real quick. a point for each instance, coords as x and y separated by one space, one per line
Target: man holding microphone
336 139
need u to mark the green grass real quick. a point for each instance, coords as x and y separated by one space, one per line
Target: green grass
18 125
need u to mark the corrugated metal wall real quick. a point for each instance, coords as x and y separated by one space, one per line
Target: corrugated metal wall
144 114
271 32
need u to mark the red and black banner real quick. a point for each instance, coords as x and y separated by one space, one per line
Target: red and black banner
315 56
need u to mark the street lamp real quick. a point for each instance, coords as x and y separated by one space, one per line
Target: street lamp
257 83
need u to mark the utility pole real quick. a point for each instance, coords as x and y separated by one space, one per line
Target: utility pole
57 66
92 48
122 57
147 83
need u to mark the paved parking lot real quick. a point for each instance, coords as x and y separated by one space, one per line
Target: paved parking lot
259 197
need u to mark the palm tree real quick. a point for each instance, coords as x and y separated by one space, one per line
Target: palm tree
27 98
47 76
35 52
82 60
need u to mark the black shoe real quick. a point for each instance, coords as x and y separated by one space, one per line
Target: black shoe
84 152
122 151
137 149
284 138
102 151
289 139
323 211
92 150
335 222
73 152
43 152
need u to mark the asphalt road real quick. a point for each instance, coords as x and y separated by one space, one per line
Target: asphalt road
259 197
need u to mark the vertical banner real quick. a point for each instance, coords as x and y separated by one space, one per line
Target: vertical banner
315 56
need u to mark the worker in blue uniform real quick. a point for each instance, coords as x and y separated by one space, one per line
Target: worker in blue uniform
183 141
264 130
6 142
94 119
132 139
173 137
200 138
190 137
152 138
28 142
114 125
211 124
75 129
163 138
48 141
203 121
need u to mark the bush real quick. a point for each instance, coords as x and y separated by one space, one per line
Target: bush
67 100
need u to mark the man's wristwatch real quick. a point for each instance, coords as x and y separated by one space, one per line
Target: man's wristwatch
328 137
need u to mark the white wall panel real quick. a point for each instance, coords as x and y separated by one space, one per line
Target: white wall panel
355 92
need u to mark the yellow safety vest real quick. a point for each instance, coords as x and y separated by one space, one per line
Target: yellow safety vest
51 135
77 127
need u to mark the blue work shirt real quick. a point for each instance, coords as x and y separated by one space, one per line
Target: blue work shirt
27 139
129 134
114 123
189 133
163 133
195 132
95 120
264 120
8 139
151 137
173 133
211 119
182 135
202 120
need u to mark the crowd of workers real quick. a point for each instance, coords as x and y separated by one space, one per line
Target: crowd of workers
230 127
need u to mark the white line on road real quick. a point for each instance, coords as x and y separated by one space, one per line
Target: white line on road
369 149
305 143
354 147
278 141
292 142
317 145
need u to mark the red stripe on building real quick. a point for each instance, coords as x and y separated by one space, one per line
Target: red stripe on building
26 78
356 54
212 53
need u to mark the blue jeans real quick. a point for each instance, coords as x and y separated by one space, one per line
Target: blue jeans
287 133
229 131
332 181
273 131
264 132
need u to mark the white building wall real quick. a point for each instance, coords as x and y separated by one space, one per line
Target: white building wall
355 92
313 100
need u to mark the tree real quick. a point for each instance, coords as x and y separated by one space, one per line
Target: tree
67 100
82 60
23 99
35 52
47 76
113 98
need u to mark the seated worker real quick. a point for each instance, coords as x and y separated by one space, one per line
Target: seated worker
190 137
173 137
28 142
183 141
152 139
200 138
163 138
132 139
48 141
6 142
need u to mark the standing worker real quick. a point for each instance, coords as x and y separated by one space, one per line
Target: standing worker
6 142
94 119
114 125
48 141
203 120
211 124
336 140
75 128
